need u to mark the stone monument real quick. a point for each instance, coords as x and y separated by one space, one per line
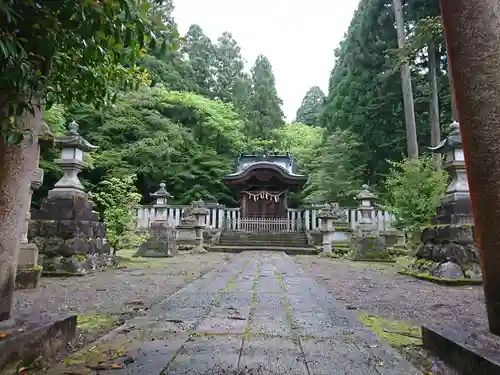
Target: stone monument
66 230
200 213
28 272
186 233
368 244
341 238
327 215
448 246
161 241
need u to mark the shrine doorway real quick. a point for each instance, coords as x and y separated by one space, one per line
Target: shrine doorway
263 204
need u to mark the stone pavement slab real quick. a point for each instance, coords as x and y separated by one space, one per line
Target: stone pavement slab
256 315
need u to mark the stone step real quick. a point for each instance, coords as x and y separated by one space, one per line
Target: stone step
287 250
263 242
291 236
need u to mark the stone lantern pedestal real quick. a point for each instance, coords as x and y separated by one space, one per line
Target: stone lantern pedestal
448 246
368 244
342 236
161 241
190 230
200 213
327 216
66 230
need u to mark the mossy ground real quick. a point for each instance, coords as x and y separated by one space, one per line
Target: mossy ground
403 336
396 333
441 280
95 322
126 259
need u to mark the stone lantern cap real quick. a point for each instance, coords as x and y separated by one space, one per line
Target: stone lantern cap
366 194
198 208
73 139
329 211
161 192
451 142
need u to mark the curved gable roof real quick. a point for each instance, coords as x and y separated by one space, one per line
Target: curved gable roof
245 172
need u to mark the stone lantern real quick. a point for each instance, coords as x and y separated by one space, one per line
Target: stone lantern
456 201
160 206
448 244
73 147
66 229
369 245
366 207
200 212
328 217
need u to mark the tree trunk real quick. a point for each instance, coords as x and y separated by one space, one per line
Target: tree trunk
472 31
434 101
17 164
411 128
453 97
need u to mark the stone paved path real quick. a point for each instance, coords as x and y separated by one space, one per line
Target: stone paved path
257 315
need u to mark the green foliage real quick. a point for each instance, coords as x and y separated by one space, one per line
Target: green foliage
229 67
365 93
182 138
264 108
201 60
414 189
334 175
302 141
311 108
69 51
117 199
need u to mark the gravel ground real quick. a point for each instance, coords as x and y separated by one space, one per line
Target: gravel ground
106 299
377 289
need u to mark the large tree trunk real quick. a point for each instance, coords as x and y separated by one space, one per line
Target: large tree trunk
17 164
434 101
411 128
453 97
472 30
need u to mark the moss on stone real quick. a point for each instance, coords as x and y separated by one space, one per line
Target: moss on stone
31 269
441 280
342 229
80 257
396 333
91 357
341 244
95 323
328 255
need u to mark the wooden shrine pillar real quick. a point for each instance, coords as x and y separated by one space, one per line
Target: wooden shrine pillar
472 30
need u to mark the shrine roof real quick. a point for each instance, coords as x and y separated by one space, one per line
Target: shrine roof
283 164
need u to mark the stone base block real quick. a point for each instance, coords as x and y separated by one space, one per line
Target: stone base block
76 265
441 234
446 269
370 249
157 247
470 351
28 254
28 278
31 337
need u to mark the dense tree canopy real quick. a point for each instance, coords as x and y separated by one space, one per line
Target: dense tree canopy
265 105
365 87
69 51
311 108
196 106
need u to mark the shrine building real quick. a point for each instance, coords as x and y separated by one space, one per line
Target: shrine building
263 183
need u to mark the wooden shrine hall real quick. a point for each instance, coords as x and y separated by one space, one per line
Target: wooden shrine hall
263 183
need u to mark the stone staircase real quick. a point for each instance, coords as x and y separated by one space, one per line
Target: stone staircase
292 243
